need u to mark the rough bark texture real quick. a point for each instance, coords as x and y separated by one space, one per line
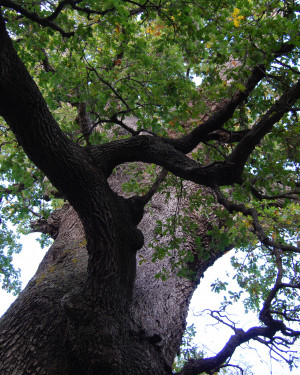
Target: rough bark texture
86 311
89 310
57 326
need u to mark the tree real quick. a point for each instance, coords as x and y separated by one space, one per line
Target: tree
113 100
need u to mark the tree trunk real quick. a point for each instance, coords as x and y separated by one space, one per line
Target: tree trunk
87 311
59 325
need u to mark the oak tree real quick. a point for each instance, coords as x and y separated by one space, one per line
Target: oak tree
147 138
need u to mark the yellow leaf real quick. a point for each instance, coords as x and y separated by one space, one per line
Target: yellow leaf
236 22
236 11
118 28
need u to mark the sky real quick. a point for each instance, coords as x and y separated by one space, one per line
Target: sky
209 337
28 261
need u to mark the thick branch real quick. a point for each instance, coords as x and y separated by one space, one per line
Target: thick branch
168 155
147 197
245 147
197 366
136 203
226 136
84 121
18 188
47 226
152 149
89 11
61 5
73 4
48 21
187 143
26 112
264 335
45 22
160 151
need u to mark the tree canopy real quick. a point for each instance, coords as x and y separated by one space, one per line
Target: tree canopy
206 91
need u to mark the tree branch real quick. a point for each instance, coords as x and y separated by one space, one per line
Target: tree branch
257 227
153 189
196 366
187 143
45 22
109 85
264 335
167 154
245 147
153 149
61 5
48 21
73 4
288 194
137 203
25 111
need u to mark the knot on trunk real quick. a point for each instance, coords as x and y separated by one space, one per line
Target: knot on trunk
48 226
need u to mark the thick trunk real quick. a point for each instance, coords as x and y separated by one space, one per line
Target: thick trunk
86 311
59 325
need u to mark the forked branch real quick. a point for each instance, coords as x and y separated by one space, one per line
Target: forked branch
33 16
267 335
257 227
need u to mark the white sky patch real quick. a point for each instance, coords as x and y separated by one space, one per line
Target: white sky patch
28 261
209 337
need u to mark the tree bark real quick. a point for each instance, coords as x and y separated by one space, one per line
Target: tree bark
59 325
87 311
92 308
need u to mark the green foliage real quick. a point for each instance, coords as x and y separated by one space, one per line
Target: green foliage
144 65
21 200
188 349
168 66
150 78
9 276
